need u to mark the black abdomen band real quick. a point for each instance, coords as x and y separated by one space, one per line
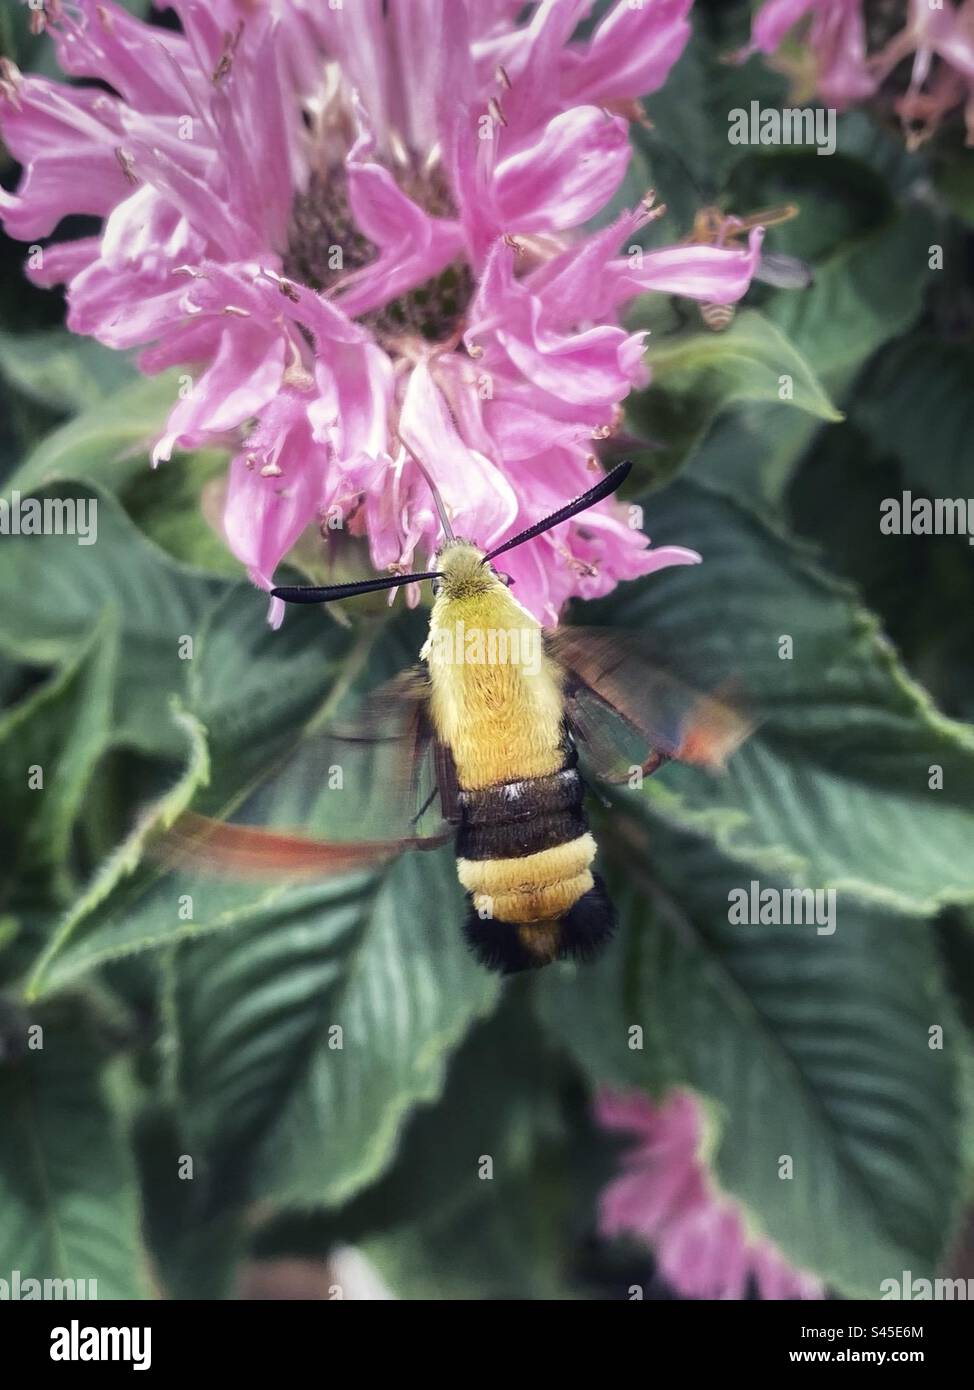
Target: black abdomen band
511 819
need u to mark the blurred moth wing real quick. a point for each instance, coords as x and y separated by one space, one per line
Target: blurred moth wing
198 842
628 711
784 272
354 796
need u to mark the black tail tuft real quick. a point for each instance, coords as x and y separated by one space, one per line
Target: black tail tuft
589 925
498 945
580 935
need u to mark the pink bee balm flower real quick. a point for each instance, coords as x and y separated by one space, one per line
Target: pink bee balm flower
836 38
363 228
856 46
667 1198
941 44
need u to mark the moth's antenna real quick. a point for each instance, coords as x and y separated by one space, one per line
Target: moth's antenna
444 519
588 499
309 593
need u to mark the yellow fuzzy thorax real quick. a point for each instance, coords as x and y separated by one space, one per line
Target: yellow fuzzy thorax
496 696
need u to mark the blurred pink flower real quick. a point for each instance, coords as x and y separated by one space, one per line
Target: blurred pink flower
854 54
836 37
941 42
667 1198
359 226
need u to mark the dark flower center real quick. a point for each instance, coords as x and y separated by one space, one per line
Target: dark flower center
433 310
325 245
323 242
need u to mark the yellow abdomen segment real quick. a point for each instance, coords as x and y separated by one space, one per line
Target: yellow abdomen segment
533 888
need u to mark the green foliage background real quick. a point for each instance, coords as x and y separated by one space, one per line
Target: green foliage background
212 1037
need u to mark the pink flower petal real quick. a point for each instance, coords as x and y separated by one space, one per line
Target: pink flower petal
119 309
631 52
145 232
717 274
666 1197
265 513
564 177
351 412
475 492
62 262
414 246
582 368
111 45
245 375
775 19
67 142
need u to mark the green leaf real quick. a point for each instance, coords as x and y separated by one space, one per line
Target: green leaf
68 952
64 586
954 181
171 506
255 688
107 446
308 1038
57 733
511 1245
698 376
863 295
880 148
108 443
686 148
441 1222
195 1255
840 774
744 363
915 402
840 199
752 452
922 587
60 370
813 1047
510 1062
68 1200
867 288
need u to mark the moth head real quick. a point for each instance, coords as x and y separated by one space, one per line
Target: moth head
465 572
463 569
